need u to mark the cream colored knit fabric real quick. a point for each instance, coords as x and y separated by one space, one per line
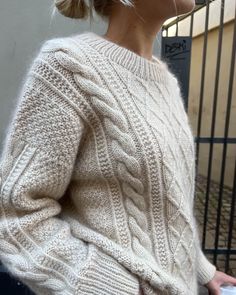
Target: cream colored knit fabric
97 176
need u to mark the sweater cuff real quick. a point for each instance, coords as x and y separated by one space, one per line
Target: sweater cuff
206 270
107 275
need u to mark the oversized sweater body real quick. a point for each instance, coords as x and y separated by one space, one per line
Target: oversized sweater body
97 176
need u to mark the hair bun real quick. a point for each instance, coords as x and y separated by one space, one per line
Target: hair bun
72 8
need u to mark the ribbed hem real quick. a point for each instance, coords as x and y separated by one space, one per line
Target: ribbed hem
107 276
154 69
206 270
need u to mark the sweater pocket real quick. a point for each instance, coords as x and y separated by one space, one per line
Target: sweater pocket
104 275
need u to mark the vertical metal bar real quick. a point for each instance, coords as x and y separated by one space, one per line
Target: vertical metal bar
191 24
177 27
231 221
228 113
200 111
202 80
191 35
217 73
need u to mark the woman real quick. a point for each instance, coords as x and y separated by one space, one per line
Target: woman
97 169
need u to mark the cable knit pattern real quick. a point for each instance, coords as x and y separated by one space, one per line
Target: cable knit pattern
124 151
177 213
97 176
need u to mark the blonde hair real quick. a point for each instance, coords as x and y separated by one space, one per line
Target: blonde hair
81 9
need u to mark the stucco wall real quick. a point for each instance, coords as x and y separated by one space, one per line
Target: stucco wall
194 95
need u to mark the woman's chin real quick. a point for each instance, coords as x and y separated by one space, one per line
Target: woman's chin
186 6
183 7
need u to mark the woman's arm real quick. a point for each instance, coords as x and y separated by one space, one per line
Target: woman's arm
205 269
208 275
37 161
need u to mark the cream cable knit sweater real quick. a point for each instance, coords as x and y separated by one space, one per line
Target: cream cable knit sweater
97 176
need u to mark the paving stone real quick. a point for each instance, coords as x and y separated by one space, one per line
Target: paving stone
211 222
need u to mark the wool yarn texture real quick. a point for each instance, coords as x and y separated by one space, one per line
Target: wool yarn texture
98 176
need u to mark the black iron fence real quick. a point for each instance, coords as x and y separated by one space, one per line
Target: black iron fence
176 50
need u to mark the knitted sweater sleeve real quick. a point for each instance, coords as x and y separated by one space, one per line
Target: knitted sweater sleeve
205 269
39 152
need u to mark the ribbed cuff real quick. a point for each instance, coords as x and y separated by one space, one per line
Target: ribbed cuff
105 275
206 270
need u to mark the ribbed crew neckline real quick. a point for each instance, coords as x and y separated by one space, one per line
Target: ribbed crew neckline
154 69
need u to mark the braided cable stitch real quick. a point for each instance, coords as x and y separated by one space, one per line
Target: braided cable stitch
123 148
121 203
94 93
